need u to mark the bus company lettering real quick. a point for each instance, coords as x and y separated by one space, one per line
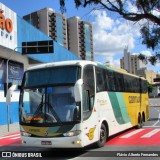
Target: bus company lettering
102 102
5 23
134 99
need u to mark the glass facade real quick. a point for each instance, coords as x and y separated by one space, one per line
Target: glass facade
87 40
59 30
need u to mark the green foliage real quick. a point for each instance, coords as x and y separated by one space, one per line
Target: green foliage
143 58
152 59
151 37
150 87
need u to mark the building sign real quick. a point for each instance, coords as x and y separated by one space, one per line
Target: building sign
15 72
5 24
8 27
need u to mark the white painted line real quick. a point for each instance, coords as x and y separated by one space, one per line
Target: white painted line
151 126
10 136
132 133
16 137
157 121
151 133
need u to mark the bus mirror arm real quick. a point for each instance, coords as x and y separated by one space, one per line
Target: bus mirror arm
19 87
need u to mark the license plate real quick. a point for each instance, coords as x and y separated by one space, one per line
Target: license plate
46 142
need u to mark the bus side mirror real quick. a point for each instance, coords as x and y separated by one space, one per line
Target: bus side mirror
78 90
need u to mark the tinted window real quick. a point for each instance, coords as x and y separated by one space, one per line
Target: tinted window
50 76
100 80
119 82
111 80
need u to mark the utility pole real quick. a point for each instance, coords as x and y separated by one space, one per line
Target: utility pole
8 110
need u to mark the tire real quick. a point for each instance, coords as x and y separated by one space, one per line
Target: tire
103 136
140 123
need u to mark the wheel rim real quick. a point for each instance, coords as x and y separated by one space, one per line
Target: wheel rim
102 135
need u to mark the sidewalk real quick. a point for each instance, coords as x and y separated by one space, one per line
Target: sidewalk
12 129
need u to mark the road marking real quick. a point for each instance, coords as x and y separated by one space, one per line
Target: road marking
132 133
157 120
15 137
10 136
148 135
151 126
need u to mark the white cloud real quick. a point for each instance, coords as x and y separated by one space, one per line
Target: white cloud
131 7
145 52
108 58
102 21
111 36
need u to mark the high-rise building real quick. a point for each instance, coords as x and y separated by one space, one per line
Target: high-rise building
73 33
131 63
51 23
80 39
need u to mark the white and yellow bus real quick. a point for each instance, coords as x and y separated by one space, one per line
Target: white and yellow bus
73 104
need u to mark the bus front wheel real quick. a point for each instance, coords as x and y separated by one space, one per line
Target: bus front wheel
103 136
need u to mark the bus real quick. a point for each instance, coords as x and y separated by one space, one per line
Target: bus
73 104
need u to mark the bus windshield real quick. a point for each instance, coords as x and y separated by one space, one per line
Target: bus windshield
48 96
52 76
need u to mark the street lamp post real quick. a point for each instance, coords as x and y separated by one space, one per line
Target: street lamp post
8 114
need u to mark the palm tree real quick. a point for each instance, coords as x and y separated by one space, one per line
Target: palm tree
152 60
143 58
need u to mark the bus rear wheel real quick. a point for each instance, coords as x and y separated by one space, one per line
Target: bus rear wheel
103 136
140 123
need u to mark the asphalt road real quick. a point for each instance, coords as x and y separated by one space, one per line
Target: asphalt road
116 148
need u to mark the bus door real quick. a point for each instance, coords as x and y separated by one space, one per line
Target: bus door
90 117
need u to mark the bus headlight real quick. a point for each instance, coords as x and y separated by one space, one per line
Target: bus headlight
72 133
25 134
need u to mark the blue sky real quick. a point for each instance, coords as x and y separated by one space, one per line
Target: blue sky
111 33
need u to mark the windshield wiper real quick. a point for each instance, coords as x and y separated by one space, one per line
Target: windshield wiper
39 111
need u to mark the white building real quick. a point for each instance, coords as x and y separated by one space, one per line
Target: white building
131 63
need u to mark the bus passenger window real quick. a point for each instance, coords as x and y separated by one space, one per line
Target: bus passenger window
106 81
111 81
100 82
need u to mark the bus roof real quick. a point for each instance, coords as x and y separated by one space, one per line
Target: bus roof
62 63
83 63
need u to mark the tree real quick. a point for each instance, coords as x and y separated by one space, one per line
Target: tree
147 10
150 87
145 59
